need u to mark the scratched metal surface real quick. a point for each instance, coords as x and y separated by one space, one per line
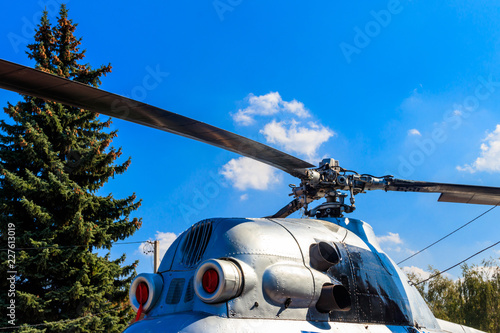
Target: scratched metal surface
197 322
281 287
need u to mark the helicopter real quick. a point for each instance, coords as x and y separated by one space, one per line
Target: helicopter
324 273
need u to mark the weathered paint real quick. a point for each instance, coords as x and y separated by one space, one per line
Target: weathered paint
281 285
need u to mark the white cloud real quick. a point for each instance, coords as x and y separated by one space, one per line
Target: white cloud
244 197
289 134
243 118
414 131
391 237
297 108
166 239
246 173
392 243
295 138
268 105
489 157
417 271
397 249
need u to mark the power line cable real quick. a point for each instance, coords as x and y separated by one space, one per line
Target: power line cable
67 246
441 272
451 233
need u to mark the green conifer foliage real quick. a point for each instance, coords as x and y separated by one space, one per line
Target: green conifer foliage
53 160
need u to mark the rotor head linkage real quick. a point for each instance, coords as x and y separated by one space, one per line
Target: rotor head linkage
333 207
327 181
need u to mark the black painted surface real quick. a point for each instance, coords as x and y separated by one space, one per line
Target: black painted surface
374 294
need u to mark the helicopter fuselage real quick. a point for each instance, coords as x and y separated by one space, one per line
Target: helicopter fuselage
293 275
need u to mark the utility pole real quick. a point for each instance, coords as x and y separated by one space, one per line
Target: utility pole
157 255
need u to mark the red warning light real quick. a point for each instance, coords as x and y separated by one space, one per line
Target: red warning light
210 280
142 295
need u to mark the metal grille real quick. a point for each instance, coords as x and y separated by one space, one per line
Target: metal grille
195 243
175 291
189 291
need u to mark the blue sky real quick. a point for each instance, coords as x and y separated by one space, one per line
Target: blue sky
387 87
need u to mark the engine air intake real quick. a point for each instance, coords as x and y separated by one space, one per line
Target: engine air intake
195 243
189 291
174 292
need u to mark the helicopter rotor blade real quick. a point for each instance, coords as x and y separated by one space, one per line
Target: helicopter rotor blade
33 82
471 194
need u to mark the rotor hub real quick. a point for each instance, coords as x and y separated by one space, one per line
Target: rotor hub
334 206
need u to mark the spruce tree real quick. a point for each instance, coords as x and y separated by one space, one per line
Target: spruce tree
53 160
